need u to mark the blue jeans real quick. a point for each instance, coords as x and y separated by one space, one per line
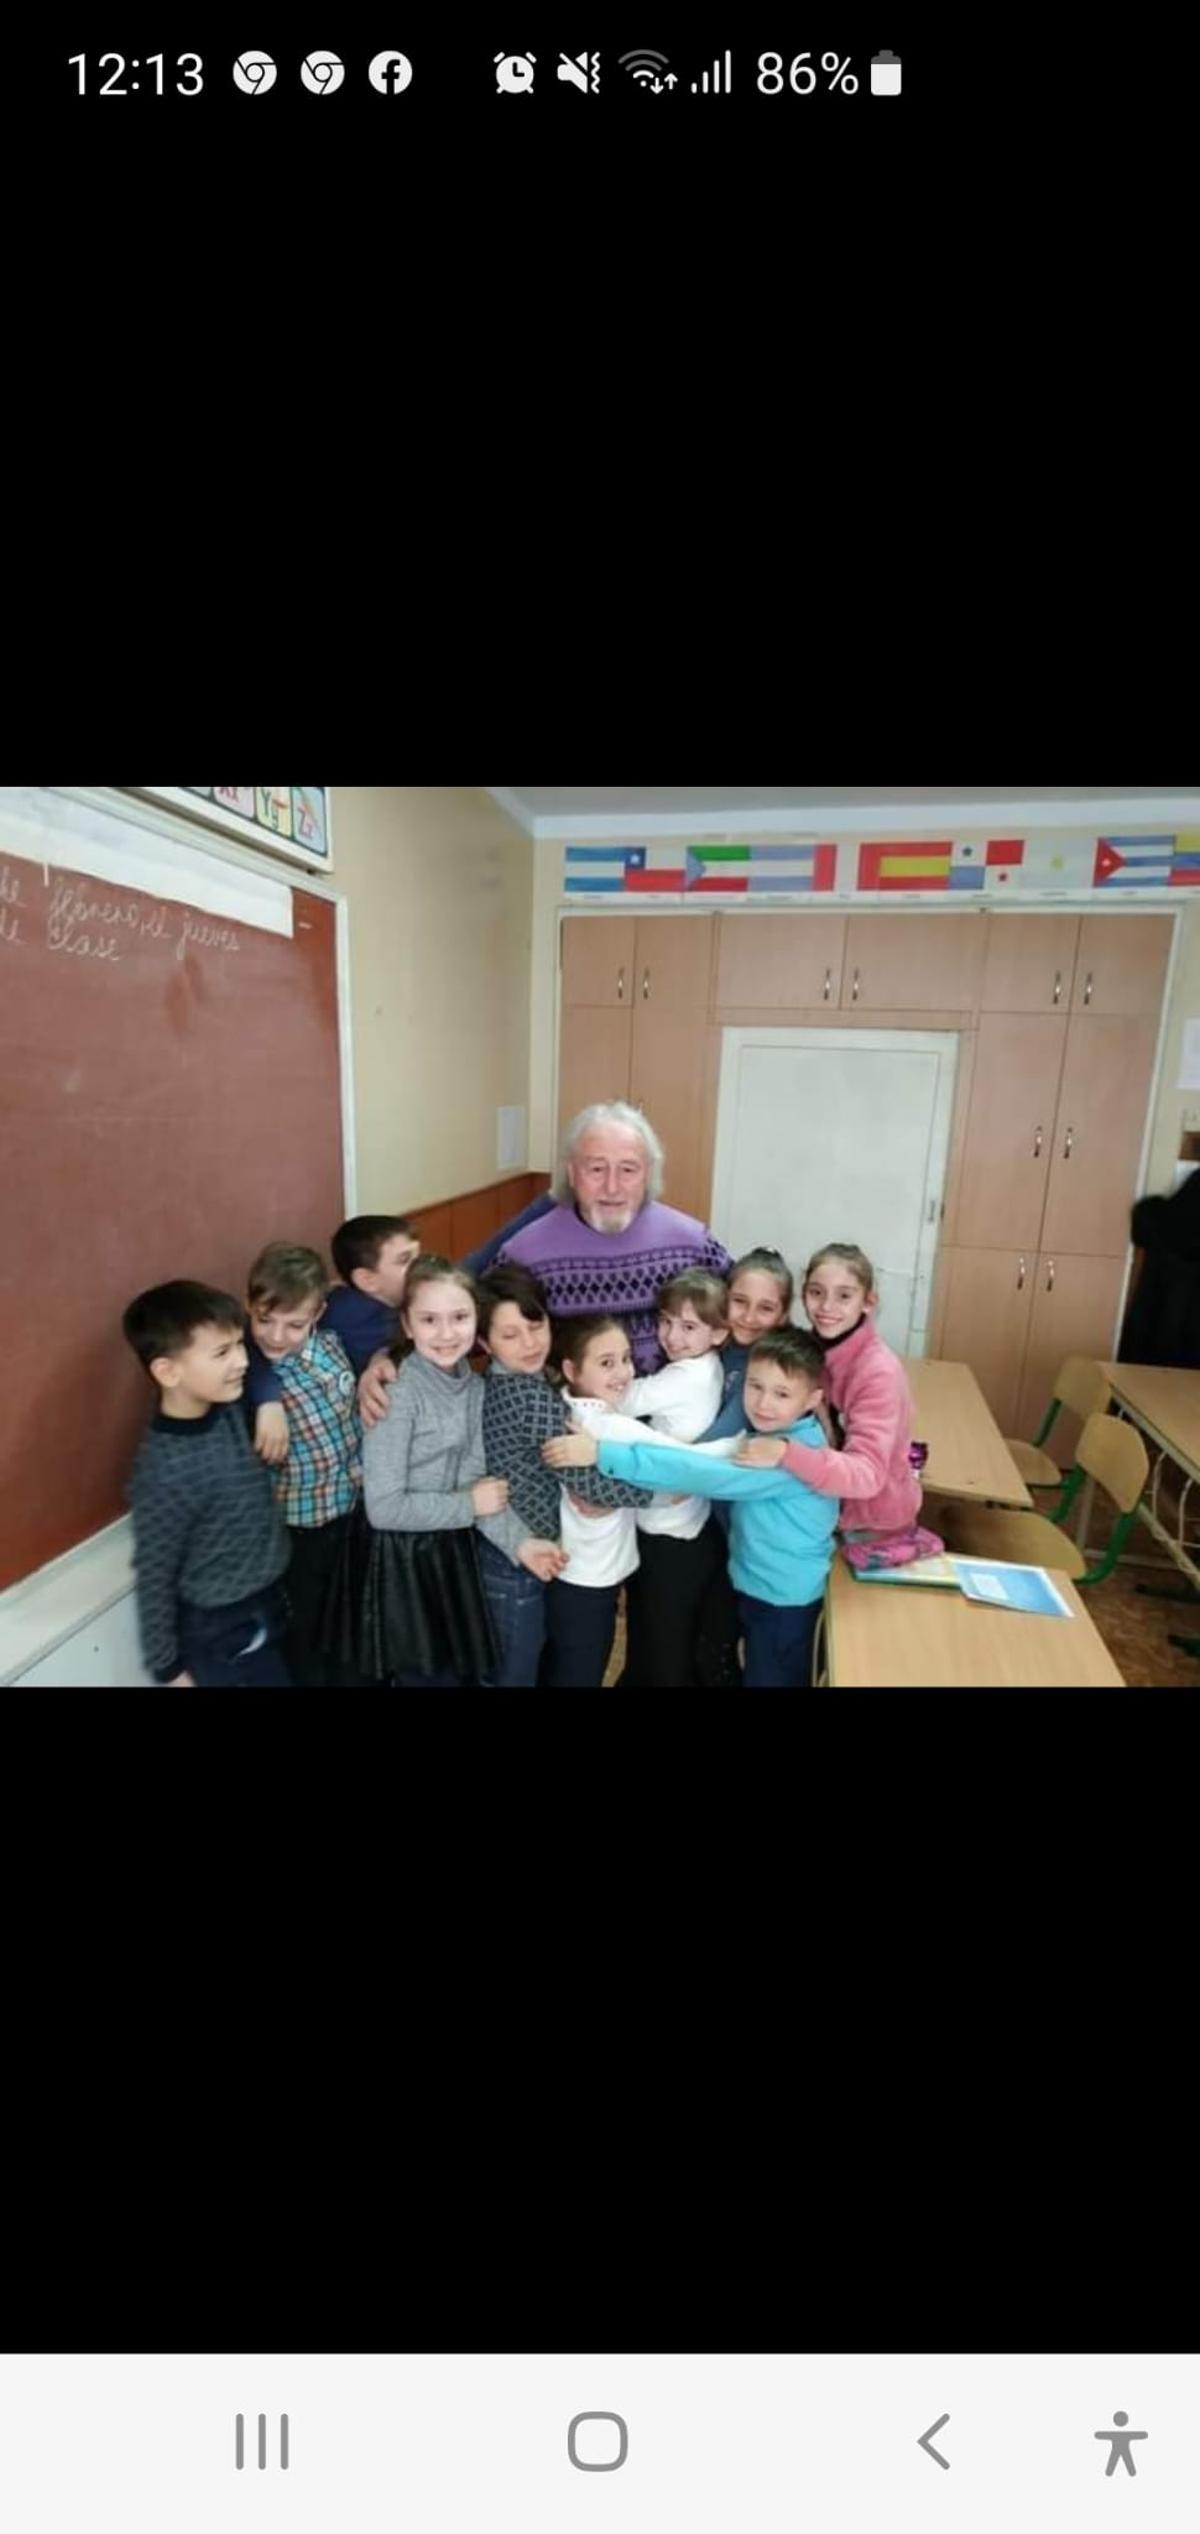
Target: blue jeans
517 1610
779 1642
239 1646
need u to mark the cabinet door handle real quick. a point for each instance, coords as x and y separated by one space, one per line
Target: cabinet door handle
1087 991
1020 1275
825 993
1058 985
1037 1143
1067 1146
620 985
1050 1277
854 988
645 985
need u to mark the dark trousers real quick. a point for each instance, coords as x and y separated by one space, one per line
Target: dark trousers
718 1663
581 1622
239 1647
317 1555
779 1643
517 1609
663 1602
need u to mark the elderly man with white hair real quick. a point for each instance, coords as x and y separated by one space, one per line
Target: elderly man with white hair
605 1241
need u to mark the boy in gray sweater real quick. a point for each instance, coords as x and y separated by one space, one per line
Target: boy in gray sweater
208 1539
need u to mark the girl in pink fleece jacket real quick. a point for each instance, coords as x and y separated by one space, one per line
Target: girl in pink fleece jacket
865 1382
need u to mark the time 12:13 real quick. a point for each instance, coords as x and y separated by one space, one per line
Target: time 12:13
186 74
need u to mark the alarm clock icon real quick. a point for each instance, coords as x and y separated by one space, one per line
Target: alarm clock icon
514 74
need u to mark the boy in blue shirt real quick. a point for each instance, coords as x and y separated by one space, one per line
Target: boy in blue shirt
779 1552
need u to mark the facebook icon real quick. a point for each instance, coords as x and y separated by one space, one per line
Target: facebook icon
390 73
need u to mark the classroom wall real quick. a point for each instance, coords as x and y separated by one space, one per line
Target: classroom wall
1174 1110
438 883
1172 1113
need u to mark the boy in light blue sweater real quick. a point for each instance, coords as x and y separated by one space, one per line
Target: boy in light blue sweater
780 1548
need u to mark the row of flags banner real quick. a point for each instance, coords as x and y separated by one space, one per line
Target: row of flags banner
999 865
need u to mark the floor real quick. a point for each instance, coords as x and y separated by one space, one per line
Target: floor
1135 1625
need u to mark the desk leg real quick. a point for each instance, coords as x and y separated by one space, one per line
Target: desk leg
820 1662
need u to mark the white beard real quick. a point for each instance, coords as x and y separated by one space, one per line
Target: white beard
612 1220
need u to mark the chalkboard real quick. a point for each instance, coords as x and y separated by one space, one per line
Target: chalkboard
169 1084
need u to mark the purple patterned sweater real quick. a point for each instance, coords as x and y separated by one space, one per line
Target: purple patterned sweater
620 1272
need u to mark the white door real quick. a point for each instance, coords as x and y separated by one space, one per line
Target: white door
838 1135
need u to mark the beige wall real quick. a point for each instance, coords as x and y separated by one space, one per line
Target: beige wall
438 882
1175 1109
543 1011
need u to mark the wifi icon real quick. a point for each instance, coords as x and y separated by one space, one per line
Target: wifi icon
648 68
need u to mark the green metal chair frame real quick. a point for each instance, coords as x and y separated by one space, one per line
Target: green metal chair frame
1121 1528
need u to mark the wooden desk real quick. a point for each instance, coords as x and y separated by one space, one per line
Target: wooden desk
908 1636
968 1455
1165 1403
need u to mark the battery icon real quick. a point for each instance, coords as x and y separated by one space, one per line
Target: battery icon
885 74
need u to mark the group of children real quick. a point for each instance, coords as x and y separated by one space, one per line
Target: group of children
480 1530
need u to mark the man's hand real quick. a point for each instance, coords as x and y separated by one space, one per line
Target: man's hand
182 1680
373 1387
490 1495
271 1432
570 1451
544 1558
760 1451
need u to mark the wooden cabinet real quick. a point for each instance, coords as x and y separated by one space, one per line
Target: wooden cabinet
989 1296
1074 1312
1010 1130
912 963
1013 1316
1029 963
643 1037
593 1057
786 962
1068 1008
597 961
1121 963
673 964
1098 1134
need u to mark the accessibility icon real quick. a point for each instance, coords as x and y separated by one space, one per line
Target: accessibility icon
1120 2438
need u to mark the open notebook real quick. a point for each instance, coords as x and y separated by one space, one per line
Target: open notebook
995 1580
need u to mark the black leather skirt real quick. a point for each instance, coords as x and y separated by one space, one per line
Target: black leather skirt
410 1601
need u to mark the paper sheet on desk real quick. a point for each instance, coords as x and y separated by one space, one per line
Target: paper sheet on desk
1007 1587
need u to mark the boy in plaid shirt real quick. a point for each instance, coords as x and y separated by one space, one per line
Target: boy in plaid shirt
318 1485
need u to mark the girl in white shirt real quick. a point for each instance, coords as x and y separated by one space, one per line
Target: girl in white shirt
602 1548
681 1551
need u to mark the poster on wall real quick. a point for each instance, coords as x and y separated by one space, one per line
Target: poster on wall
286 818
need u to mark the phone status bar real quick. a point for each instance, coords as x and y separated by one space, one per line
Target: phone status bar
535 79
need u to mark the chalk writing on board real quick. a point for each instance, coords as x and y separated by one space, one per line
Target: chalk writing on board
10 897
86 927
205 936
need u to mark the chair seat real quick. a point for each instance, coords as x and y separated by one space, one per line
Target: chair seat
1036 1467
1027 1539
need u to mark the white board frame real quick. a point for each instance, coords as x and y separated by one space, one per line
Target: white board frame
247 830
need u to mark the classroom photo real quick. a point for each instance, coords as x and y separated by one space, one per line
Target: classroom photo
687 1239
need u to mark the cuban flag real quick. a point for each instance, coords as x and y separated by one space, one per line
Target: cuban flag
1133 862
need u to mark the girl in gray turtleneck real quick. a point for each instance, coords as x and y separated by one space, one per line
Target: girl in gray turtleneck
425 1487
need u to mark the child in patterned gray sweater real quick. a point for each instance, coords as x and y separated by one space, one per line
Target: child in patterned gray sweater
209 1545
521 1411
